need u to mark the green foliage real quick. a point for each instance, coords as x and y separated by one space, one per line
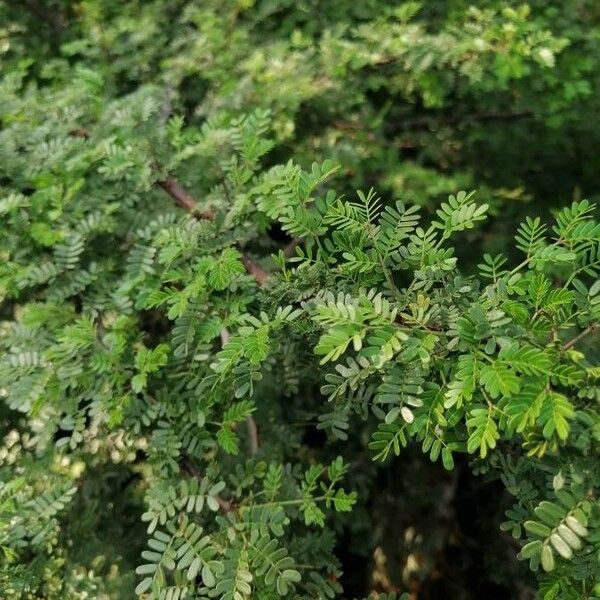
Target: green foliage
191 289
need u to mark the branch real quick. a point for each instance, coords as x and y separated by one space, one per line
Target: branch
224 336
579 336
184 199
79 132
225 505
252 435
290 247
255 270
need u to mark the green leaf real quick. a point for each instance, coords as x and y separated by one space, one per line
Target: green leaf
143 586
547 558
531 549
336 341
228 440
483 431
537 529
447 459
525 359
555 414
499 380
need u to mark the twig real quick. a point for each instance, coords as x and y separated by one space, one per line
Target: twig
184 199
255 270
252 435
290 247
224 336
189 203
579 336
225 505
79 132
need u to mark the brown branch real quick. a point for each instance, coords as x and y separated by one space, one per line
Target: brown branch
290 247
255 270
252 435
79 132
184 199
579 336
225 505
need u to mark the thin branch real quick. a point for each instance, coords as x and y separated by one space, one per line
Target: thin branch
252 435
224 336
225 505
184 199
255 270
290 247
79 132
579 336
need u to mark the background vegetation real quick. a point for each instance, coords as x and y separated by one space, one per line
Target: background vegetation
200 315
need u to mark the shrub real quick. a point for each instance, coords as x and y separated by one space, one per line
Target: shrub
188 307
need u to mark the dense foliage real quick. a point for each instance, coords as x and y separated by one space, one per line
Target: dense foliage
226 373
